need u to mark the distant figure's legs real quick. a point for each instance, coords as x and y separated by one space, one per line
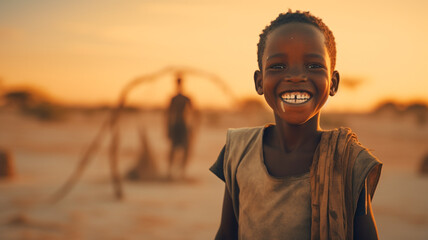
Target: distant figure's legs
179 150
170 161
184 161
178 158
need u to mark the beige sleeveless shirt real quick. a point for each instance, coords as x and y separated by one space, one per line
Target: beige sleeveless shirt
272 208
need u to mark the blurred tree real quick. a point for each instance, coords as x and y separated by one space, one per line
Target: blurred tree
419 110
33 103
352 83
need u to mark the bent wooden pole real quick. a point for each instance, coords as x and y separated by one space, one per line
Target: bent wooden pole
78 171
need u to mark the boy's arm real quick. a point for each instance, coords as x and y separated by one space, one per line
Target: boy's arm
228 226
365 225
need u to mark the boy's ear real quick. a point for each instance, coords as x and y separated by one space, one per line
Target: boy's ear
258 82
335 79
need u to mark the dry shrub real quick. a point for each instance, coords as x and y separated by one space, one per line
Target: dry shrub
7 168
423 168
32 103
145 169
418 110
388 107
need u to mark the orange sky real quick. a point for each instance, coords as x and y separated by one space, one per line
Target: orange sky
84 52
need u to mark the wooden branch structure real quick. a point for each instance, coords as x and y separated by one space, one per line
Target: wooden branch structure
111 124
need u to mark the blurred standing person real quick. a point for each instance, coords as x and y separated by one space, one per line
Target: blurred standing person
180 118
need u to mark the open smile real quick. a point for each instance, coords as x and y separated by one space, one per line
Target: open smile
295 97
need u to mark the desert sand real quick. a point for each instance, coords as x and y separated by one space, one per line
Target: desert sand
46 153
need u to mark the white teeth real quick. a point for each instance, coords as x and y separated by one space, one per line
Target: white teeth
295 97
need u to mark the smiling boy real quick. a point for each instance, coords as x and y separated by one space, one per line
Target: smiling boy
291 179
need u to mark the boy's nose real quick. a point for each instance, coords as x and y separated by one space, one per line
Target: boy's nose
295 75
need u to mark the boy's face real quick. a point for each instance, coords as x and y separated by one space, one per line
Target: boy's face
296 76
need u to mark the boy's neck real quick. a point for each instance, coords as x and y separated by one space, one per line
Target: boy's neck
295 137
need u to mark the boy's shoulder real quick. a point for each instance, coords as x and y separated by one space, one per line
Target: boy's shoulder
240 140
366 155
244 136
244 130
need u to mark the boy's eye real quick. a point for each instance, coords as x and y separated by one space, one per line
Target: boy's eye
315 66
278 67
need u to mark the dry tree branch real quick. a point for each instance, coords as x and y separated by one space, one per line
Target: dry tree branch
111 125
90 151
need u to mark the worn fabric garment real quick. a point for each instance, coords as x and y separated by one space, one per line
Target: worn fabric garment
277 208
332 188
217 169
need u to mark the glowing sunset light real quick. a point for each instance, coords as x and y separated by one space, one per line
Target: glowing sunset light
84 52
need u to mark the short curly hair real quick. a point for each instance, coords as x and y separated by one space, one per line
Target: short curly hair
299 17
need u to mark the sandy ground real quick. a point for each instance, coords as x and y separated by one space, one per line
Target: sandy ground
46 153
